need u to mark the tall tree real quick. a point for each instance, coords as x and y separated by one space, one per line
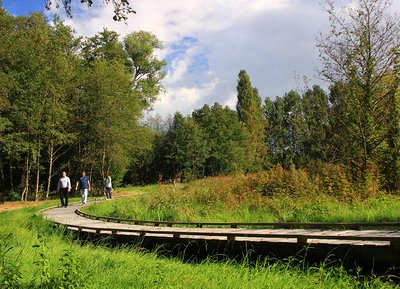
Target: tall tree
186 148
251 115
275 130
6 28
286 130
315 105
224 138
295 129
147 69
359 52
120 80
58 90
36 73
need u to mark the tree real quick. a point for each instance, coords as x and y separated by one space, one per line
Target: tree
186 148
104 46
6 26
58 90
121 7
315 105
275 130
358 54
251 115
146 68
119 81
224 138
286 130
38 71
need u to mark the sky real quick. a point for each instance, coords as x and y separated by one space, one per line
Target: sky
207 43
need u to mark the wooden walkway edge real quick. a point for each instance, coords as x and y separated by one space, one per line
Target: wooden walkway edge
74 220
374 246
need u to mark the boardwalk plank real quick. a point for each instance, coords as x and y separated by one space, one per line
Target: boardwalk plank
68 217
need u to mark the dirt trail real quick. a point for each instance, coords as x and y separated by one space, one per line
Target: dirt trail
8 206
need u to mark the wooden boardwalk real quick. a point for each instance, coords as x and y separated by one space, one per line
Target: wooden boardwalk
69 218
377 249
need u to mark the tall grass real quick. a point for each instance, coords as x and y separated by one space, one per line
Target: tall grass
34 254
274 196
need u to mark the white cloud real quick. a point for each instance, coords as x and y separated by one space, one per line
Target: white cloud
184 99
207 43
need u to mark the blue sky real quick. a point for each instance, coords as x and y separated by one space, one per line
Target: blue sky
207 43
22 7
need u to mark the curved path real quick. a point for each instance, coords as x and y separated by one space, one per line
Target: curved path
74 221
377 246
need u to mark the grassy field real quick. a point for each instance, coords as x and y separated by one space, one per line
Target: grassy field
33 254
248 199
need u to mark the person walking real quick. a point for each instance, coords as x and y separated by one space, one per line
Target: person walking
84 184
108 186
64 187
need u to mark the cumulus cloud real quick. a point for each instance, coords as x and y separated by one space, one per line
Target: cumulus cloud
207 43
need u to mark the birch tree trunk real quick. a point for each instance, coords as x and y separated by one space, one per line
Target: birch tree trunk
24 195
50 170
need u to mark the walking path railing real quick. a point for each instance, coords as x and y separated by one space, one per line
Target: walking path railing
233 232
283 225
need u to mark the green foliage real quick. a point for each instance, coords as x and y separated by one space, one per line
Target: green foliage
251 116
224 137
275 195
71 272
126 267
186 149
122 8
71 103
10 274
147 70
359 55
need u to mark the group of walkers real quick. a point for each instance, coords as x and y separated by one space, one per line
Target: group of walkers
64 187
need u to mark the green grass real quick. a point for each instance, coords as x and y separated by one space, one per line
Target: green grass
33 254
163 204
273 196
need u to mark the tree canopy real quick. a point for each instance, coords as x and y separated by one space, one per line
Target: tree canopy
69 103
122 8
79 103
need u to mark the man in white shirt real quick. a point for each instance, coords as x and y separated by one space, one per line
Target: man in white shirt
64 187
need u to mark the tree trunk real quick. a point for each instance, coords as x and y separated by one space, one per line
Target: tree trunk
103 163
37 170
50 170
11 177
37 181
25 180
3 181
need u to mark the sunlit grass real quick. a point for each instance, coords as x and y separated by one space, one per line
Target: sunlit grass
24 236
33 252
102 267
198 203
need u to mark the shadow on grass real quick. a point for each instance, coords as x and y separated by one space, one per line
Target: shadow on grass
357 261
